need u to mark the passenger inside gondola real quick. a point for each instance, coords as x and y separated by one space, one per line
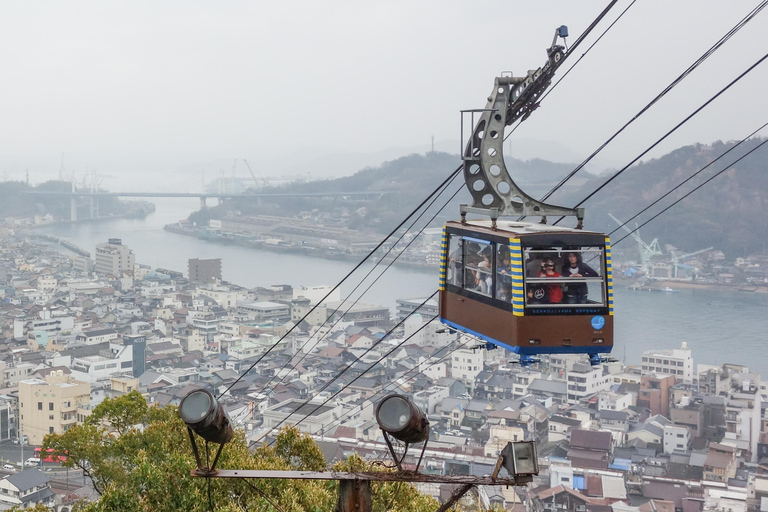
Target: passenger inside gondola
503 274
574 268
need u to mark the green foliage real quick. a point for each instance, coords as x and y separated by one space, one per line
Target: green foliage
130 409
39 507
140 460
388 496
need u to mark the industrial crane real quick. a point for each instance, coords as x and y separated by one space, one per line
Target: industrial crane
647 251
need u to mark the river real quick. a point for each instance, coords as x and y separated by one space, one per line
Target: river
719 327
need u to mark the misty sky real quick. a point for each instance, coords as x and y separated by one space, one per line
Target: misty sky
175 86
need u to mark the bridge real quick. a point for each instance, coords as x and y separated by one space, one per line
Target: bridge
94 196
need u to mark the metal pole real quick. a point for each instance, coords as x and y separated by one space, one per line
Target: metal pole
456 496
354 496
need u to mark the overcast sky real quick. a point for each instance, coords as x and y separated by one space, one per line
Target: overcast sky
179 85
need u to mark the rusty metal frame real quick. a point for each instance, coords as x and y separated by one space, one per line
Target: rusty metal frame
397 476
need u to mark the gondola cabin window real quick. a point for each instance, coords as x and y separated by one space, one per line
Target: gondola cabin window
481 267
564 276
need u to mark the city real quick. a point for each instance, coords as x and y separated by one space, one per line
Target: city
663 432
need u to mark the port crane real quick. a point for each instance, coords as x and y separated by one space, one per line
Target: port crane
647 251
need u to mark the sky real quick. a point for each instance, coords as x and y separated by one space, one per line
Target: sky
144 91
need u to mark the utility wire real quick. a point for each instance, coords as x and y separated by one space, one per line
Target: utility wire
663 93
587 50
695 189
313 308
571 50
670 132
337 393
575 45
687 179
346 415
389 250
307 402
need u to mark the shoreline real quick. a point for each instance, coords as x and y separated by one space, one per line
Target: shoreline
301 250
676 286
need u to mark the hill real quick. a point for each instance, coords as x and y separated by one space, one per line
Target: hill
725 214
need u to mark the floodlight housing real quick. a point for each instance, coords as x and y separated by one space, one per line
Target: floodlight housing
520 458
400 418
206 417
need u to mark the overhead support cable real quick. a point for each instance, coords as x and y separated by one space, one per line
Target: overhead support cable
347 276
688 179
389 250
694 190
352 381
663 93
573 48
338 375
670 132
346 415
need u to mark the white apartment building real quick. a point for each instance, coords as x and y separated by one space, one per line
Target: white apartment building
316 293
676 438
118 359
47 284
223 296
523 381
465 365
204 321
609 401
266 311
677 362
585 380
314 423
113 257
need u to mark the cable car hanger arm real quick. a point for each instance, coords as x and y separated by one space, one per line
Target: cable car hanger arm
493 191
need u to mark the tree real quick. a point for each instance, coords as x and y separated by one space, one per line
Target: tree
140 459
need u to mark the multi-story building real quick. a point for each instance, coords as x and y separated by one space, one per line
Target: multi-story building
204 271
585 380
406 307
466 365
97 337
654 393
206 323
720 464
317 418
266 311
743 413
50 406
9 420
111 360
677 362
223 295
363 315
676 439
113 257
609 401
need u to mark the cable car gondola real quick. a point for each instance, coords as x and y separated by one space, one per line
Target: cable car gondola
528 287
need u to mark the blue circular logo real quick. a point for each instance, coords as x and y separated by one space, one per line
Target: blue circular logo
598 322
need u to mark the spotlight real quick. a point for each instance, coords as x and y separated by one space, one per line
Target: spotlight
206 417
400 418
520 458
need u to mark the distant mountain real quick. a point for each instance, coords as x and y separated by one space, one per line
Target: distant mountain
727 214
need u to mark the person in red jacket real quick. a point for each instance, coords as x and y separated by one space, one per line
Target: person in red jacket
554 291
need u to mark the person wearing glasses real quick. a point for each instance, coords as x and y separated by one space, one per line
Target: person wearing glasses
548 293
